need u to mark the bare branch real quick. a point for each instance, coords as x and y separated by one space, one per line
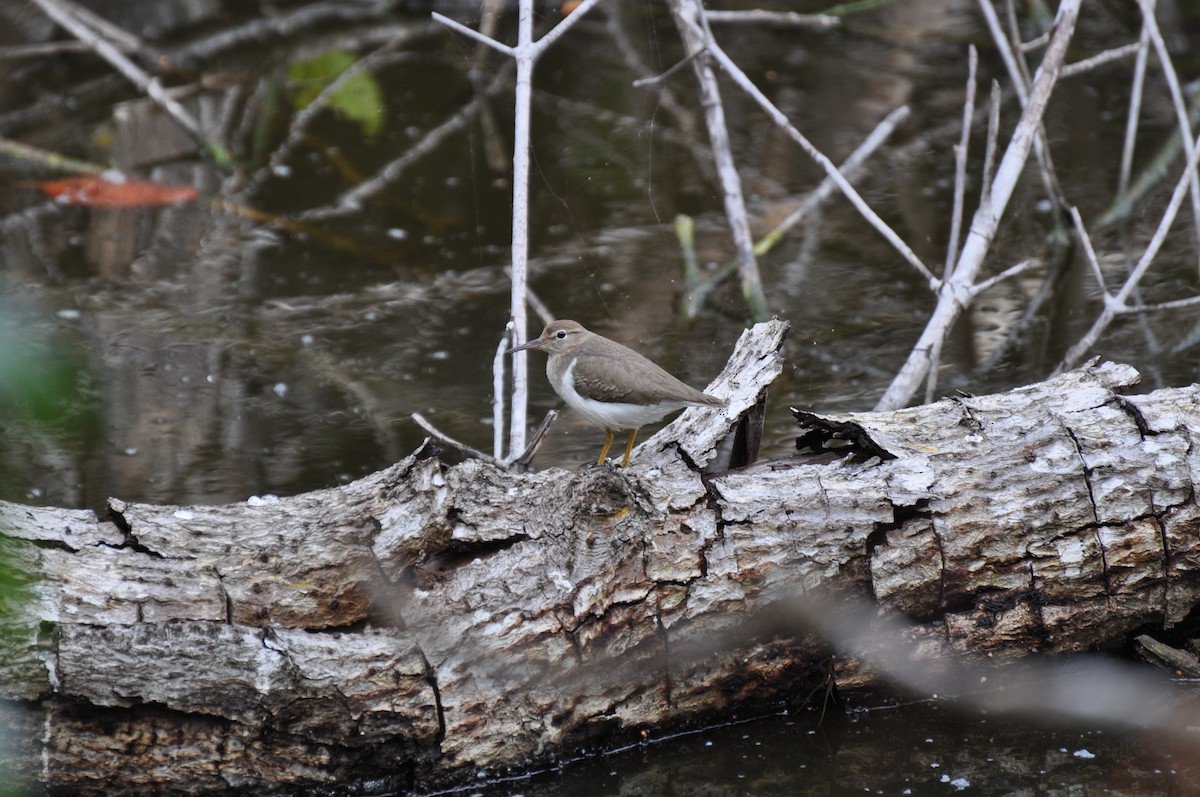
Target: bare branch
1181 114
447 440
536 441
471 33
558 30
1018 72
960 163
1007 273
777 19
1135 110
499 371
1175 304
1088 250
1099 59
697 38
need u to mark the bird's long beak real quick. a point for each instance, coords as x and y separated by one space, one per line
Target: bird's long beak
533 344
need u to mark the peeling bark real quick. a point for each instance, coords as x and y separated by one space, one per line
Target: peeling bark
432 620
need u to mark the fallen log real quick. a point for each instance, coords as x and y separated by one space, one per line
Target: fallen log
431 621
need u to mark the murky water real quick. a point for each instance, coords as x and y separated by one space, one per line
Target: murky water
917 749
202 353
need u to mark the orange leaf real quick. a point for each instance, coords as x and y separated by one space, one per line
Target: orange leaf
107 191
569 6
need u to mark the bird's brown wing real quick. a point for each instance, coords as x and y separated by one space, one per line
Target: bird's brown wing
653 385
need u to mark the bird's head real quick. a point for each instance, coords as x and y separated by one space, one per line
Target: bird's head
556 338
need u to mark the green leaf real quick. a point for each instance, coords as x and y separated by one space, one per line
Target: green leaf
357 97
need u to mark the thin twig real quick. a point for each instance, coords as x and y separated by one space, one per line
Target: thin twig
1155 171
1036 43
47 159
1006 274
354 199
536 441
689 18
1099 59
446 439
960 163
1086 239
471 33
1181 114
992 142
777 19
540 308
1175 304
298 127
674 69
850 168
696 295
118 36
555 33
1135 110
499 370
17 52
1018 72
1117 304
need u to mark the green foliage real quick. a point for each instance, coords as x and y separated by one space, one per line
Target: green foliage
36 388
356 95
38 384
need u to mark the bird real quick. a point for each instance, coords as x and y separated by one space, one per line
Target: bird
609 384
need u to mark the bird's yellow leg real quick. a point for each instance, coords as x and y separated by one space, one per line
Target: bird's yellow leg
608 438
629 447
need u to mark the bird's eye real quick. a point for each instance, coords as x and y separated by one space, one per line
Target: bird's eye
562 333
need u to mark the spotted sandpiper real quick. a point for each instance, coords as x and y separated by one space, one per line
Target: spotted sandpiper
611 385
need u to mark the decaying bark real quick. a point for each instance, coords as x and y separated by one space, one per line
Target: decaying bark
432 620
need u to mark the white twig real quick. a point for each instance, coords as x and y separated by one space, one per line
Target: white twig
1135 110
499 371
1018 72
558 30
1175 304
989 147
1093 261
697 38
1035 44
471 33
450 441
1007 273
955 294
960 163
1006 51
935 360
525 54
1099 59
1115 305
778 19
1181 113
